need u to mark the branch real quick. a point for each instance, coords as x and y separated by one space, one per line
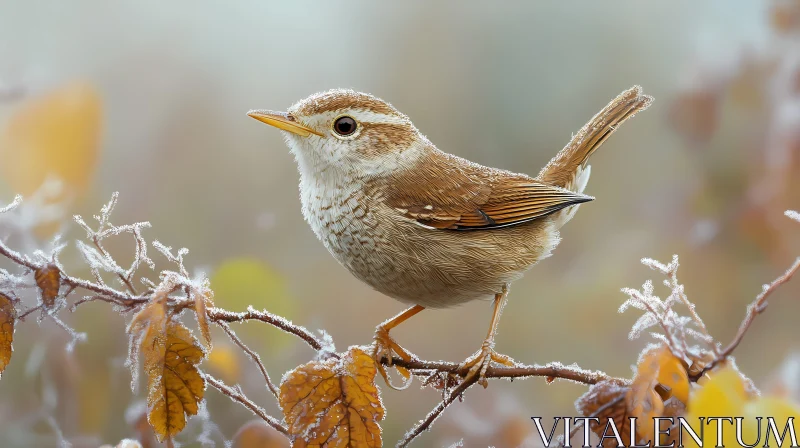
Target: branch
550 371
253 356
754 309
236 395
220 315
423 425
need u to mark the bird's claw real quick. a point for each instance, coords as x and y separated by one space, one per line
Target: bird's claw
479 363
383 346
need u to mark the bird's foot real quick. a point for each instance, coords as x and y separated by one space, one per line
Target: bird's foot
383 346
479 363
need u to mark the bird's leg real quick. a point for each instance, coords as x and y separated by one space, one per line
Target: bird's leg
384 345
480 361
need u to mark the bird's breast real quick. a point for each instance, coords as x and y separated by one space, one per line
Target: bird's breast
344 219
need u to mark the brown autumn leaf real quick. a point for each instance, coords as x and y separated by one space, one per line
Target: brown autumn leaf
659 376
642 399
8 317
201 301
334 403
606 400
175 386
147 330
673 376
48 279
256 434
170 357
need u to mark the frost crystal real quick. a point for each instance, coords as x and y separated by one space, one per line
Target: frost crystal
676 330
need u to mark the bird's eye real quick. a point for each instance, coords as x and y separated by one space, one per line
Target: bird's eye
345 126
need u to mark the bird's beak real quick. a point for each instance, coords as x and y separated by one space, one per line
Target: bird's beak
282 120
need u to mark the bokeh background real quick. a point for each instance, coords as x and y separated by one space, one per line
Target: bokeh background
149 98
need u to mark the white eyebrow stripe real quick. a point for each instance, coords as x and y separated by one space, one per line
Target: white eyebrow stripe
367 116
364 116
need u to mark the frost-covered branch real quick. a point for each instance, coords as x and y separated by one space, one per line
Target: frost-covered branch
550 371
237 395
758 306
686 335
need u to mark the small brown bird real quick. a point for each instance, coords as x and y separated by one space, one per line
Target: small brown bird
423 226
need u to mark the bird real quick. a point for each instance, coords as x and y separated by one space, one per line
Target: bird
425 227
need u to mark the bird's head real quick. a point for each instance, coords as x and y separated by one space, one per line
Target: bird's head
346 130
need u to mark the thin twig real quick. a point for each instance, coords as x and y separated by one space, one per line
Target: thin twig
754 309
253 356
126 281
236 395
423 425
220 315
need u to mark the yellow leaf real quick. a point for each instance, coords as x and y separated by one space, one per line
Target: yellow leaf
334 403
175 386
256 434
722 395
8 316
57 135
48 278
725 394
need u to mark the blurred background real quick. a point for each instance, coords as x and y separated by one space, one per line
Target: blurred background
149 98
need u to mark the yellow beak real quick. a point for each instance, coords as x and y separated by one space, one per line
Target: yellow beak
282 120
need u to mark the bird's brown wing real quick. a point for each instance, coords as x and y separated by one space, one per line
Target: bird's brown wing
455 194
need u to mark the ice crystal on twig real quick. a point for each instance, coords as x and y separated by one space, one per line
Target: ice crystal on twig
680 333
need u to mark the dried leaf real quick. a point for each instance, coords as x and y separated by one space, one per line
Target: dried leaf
8 316
175 386
672 374
201 302
642 399
658 371
48 278
606 400
147 330
256 434
333 403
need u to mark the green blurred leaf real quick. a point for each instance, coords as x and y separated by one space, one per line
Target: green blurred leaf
241 282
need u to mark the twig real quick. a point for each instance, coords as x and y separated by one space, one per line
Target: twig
754 309
253 356
236 395
220 315
126 281
423 425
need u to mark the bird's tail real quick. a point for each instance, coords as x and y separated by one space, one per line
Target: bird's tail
568 169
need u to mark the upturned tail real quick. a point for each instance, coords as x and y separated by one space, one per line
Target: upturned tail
568 169
564 169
